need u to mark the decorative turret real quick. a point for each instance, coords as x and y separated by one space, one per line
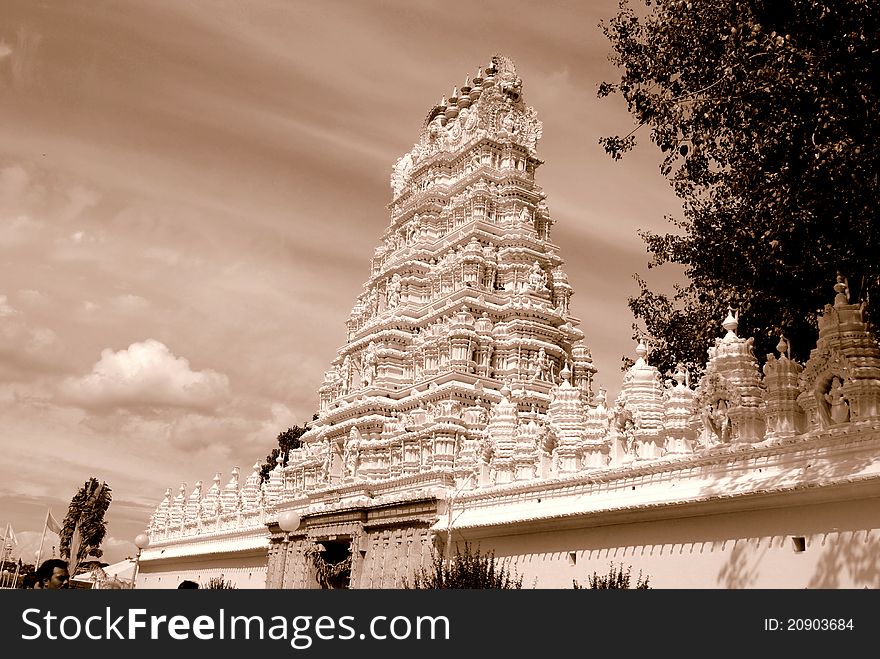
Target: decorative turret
275 484
597 426
678 415
161 517
841 379
566 416
250 491
785 416
501 433
730 399
642 394
178 508
211 500
194 503
583 370
229 498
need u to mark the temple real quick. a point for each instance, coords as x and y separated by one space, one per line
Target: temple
462 409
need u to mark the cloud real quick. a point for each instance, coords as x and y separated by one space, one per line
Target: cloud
7 309
5 49
146 376
33 296
22 347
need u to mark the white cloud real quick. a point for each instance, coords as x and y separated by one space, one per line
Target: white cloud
146 375
6 309
33 296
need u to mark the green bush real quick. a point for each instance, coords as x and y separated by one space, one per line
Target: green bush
467 569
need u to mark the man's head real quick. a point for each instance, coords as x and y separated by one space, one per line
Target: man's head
53 574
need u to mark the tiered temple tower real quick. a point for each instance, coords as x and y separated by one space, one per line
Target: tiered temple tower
466 307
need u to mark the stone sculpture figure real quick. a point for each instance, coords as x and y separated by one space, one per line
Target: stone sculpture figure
542 366
345 375
537 278
351 458
370 360
394 291
838 405
717 420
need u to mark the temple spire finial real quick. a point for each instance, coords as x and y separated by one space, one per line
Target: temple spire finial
841 289
731 322
641 349
782 347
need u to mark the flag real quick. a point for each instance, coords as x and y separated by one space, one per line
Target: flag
52 524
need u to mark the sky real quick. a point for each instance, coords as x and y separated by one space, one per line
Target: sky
190 195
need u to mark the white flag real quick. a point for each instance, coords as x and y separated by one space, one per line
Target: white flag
52 524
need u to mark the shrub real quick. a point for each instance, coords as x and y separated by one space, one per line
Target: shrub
617 577
218 583
467 569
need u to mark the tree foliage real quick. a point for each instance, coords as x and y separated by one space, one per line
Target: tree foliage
287 440
84 527
617 578
467 569
766 114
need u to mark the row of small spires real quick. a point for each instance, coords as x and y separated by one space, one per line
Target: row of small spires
468 93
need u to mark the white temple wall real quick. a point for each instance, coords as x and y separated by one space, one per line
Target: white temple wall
245 571
750 549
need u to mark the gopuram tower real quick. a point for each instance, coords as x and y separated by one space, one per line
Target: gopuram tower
462 335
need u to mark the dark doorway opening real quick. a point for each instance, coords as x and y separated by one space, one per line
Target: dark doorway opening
332 564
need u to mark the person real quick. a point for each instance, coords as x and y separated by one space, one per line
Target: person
53 574
187 584
30 581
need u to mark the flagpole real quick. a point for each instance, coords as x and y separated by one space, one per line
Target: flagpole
3 554
42 539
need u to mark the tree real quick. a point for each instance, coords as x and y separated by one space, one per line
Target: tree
766 113
617 578
287 440
84 527
468 569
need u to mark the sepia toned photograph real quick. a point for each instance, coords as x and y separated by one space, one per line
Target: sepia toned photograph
392 294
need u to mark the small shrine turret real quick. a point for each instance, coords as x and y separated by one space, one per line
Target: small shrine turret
229 498
840 382
785 416
679 406
194 503
596 427
211 500
162 515
250 491
501 434
178 508
730 398
583 370
642 396
567 418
